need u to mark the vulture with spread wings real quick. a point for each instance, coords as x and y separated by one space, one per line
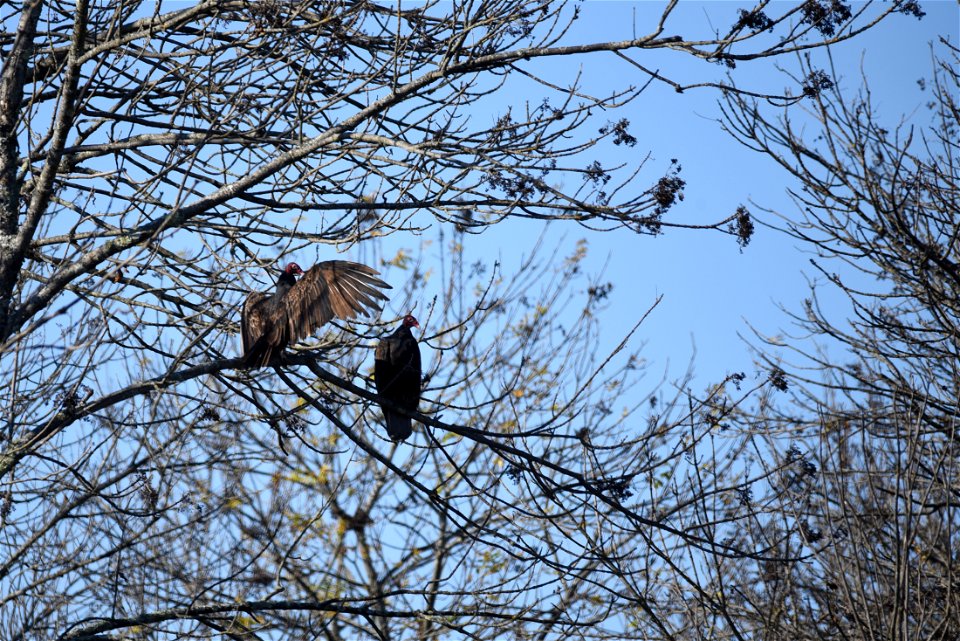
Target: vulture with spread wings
331 289
396 371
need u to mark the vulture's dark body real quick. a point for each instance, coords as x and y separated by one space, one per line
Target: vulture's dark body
261 346
397 375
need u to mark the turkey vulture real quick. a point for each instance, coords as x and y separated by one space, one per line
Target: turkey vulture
396 371
334 288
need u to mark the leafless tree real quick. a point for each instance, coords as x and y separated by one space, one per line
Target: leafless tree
858 472
156 159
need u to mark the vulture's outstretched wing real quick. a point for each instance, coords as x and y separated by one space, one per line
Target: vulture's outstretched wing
331 289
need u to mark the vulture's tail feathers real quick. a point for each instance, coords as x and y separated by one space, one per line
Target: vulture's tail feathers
399 428
261 353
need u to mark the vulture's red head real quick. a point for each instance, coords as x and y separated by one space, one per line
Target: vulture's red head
293 269
410 321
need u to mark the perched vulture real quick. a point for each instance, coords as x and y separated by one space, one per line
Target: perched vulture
396 371
331 289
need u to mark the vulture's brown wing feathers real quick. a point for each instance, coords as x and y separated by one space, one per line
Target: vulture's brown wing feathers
262 337
253 319
331 289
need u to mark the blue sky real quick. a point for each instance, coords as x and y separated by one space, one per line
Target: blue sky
710 289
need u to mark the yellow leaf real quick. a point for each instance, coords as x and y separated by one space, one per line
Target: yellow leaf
318 477
400 260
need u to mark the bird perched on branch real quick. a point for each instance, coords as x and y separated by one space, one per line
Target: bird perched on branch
396 372
331 289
